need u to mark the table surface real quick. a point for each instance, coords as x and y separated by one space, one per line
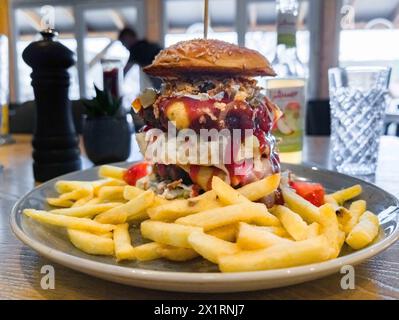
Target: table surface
20 266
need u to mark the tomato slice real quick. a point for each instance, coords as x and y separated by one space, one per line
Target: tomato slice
136 172
313 192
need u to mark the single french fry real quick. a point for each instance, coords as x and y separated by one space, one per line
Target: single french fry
82 201
246 212
108 182
252 237
330 228
364 232
278 231
122 243
292 222
133 210
90 243
148 251
66 186
111 193
346 194
175 209
167 233
68 222
308 211
356 209
86 211
108 235
287 255
210 247
328 198
107 171
176 254
259 189
227 195
313 230
227 233
131 192
95 200
57 202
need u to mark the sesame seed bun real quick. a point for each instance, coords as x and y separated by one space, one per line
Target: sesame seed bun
208 57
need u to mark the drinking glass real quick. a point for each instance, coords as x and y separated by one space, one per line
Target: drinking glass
358 99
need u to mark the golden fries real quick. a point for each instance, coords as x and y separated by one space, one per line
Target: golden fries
87 211
91 243
309 212
226 193
107 171
223 225
130 211
276 257
346 194
364 232
214 218
210 247
262 188
68 222
253 237
122 243
168 233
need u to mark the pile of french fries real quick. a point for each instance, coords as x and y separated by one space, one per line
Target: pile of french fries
224 225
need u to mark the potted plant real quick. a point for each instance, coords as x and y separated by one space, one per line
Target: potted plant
106 131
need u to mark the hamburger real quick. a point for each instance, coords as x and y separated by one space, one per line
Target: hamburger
207 85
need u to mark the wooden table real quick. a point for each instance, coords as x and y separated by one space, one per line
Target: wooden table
20 266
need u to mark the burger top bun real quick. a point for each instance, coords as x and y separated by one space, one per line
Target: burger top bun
208 57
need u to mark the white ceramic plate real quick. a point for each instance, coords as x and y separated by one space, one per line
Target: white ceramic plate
199 275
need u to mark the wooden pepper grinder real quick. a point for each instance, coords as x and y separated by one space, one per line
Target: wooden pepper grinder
55 142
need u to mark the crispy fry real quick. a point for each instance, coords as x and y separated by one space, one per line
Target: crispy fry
86 211
210 247
148 251
90 243
131 192
364 232
167 233
68 222
227 233
122 243
356 209
252 237
346 194
259 189
108 182
280 256
176 254
111 193
247 212
175 209
130 211
57 202
330 228
107 171
227 194
66 186
292 222
308 211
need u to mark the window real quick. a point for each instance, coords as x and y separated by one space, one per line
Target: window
184 20
368 36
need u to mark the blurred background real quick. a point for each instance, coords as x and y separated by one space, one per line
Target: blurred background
330 33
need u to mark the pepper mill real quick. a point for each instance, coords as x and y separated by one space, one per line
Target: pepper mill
55 142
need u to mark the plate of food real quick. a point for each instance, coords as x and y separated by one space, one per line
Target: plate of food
205 212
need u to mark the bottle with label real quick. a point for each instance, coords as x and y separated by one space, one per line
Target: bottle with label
287 90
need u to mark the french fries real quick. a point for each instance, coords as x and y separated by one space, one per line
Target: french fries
364 232
276 257
246 212
253 237
210 247
168 233
68 222
113 172
262 188
304 208
122 243
223 225
346 194
91 243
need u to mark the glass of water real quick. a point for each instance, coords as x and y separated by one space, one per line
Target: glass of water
358 99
